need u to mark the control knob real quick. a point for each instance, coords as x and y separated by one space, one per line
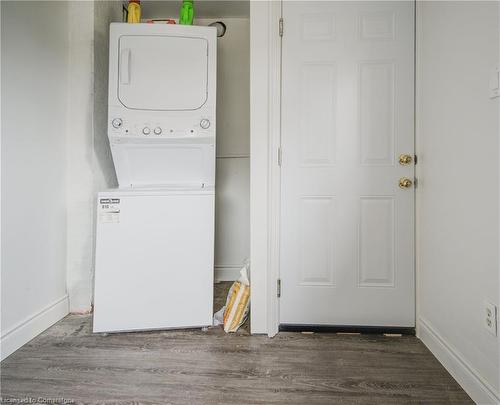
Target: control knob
205 123
146 131
117 123
157 131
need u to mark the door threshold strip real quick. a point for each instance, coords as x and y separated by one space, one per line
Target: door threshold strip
391 331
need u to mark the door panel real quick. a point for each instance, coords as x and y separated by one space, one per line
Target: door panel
347 254
317 122
317 240
376 242
376 112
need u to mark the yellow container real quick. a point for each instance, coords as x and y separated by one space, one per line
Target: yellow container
134 11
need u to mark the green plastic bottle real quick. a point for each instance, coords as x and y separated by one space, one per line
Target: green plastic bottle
187 13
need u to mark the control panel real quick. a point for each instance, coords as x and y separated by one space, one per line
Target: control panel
120 127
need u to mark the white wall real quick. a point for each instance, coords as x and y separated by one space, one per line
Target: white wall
203 8
105 12
232 227
458 192
34 82
90 166
80 156
56 161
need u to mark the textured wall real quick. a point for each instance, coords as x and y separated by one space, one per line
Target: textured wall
232 193
90 167
34 109
458 181
80 156
105 12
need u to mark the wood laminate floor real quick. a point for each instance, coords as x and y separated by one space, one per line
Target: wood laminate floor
196 367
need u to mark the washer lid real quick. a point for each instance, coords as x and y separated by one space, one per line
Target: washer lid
144 191
163 162
162 72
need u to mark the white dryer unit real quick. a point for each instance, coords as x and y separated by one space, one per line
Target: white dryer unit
162 95
155 234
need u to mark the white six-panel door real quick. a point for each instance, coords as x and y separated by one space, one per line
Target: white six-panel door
347 247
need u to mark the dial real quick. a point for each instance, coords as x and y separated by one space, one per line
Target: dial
205 123
146 131
157 131
117 123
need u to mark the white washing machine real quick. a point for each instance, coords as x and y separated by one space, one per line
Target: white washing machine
154 259
155 234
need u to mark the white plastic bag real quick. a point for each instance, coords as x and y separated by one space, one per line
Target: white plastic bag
235 312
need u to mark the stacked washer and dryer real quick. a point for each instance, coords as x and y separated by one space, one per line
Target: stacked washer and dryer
155 233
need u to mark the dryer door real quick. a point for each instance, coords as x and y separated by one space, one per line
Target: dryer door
162 73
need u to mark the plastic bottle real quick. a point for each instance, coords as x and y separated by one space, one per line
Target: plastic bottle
134 11
186 14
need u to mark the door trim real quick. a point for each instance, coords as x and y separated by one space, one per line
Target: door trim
417 131
265 180
273 319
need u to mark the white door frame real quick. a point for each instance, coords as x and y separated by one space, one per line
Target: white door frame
418 152
265 134
265 174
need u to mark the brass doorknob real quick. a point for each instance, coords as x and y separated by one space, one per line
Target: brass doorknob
405 159
405 182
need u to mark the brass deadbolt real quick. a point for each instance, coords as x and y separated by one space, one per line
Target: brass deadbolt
405 182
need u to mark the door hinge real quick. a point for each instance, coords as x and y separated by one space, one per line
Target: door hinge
280 156
278 288
415 159
281 26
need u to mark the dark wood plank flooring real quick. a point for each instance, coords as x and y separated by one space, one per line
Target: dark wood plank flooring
197 367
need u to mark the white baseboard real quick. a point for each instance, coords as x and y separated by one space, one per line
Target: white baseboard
31 327
469 378
227 273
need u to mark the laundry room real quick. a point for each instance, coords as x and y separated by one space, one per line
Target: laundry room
186 154
250 201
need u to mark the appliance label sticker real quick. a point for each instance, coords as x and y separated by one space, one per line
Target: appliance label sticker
109 210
